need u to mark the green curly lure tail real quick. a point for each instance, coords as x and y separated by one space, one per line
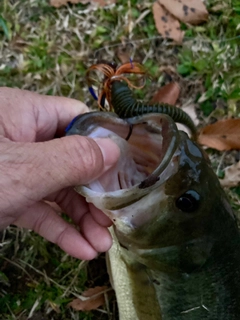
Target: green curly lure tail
126 106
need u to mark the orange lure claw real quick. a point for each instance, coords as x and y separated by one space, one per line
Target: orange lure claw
112 73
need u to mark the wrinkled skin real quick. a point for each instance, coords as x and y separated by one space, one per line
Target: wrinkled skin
179 241
38 172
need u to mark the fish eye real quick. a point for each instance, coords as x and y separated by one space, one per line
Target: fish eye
189 201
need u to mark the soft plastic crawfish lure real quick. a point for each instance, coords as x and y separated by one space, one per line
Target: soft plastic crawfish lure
116 89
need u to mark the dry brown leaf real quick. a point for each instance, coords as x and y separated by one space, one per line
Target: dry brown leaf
59 3
123 54
167 94
222 135
188 11
94 291
88 304
94 299
18 43
232 176
167 25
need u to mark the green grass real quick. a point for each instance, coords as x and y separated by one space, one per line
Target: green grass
48 50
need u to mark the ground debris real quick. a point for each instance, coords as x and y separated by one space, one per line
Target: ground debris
167 94
91 299
232 176
188 11
167 25
101 3
168 13
222 135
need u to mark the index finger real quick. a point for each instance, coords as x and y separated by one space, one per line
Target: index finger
53 115
27 116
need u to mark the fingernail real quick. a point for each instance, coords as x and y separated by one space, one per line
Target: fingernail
110 151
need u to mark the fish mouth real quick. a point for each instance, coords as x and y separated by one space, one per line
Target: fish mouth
148 146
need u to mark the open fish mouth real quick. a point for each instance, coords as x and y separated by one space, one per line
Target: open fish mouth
148 157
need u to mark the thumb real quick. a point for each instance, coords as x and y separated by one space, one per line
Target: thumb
46 167
74 160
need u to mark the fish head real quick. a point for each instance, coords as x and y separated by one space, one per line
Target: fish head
162 195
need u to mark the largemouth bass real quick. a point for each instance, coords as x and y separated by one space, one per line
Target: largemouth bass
176 252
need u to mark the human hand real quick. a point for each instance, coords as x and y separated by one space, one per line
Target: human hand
34 167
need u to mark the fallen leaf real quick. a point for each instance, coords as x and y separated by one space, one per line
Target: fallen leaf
123 54
18 43
91 292
222 135
188 11
94 298
232 176
101 3
167 25
167 94
59 3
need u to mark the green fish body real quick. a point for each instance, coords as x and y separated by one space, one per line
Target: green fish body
176 251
